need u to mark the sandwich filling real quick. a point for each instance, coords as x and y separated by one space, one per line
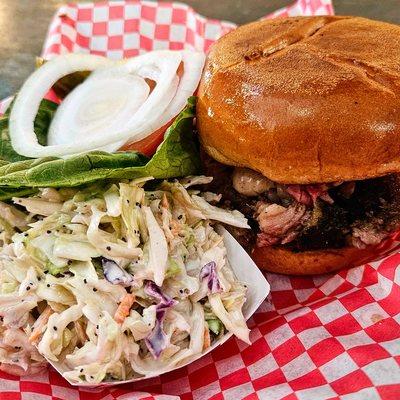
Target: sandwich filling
309 217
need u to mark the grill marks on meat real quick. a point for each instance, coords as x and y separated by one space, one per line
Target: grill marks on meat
279 224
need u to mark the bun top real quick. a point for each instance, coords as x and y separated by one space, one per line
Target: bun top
304 100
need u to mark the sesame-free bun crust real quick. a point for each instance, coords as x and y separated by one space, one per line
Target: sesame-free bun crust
304 100
284 261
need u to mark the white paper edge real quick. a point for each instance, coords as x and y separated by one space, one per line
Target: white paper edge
245 270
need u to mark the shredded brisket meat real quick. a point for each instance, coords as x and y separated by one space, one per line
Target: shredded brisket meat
309 194
279 224
309 217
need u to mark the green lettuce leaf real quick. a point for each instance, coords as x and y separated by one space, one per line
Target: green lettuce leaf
43 118
177 156
7 193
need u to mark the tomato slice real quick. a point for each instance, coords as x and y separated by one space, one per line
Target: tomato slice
149 144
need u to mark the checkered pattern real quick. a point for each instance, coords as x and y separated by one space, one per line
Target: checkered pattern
127 28
324 337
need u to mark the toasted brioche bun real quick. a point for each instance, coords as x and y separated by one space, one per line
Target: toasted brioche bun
305 100
284 261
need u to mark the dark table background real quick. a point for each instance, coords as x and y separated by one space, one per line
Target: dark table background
23 26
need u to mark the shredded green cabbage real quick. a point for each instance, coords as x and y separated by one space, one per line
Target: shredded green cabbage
115 281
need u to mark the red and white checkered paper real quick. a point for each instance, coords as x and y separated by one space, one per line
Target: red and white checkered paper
325 337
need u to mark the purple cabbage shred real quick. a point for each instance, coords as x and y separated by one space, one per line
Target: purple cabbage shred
209 272
151 289
157 340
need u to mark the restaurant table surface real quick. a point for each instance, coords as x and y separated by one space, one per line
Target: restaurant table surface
23 26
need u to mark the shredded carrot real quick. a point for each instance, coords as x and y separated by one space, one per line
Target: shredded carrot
124 308
39 324
164 201
207 338
80 332
176 227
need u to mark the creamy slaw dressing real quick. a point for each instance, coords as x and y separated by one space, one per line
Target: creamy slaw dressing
115 281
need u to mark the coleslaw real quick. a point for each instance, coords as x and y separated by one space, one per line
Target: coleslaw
117 280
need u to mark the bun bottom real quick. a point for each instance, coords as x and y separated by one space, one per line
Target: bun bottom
284 261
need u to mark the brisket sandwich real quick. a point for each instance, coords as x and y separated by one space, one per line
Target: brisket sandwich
299 119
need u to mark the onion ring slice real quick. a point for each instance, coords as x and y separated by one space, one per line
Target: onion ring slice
193 63
26 105
112 107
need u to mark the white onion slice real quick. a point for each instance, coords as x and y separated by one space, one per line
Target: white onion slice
193 63
113 106
118 130
26 105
